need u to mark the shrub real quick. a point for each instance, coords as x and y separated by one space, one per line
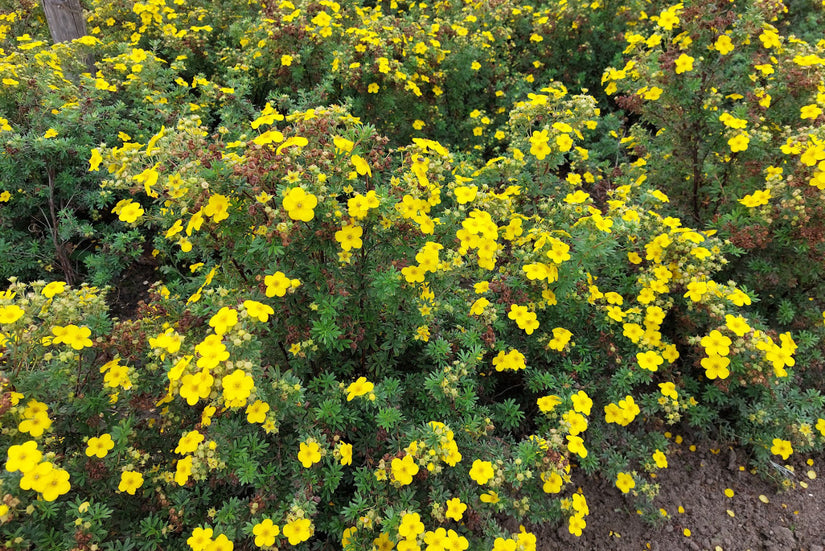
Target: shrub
362 335
729 119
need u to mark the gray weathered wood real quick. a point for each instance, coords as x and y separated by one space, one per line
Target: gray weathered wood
66 23
65 19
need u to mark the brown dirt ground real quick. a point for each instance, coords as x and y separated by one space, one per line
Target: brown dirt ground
760 516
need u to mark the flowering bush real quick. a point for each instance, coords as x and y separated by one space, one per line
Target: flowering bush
730 113
368 332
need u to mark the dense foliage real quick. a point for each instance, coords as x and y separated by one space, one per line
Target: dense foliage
416 266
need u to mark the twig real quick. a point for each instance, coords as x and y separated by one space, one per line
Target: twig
59 249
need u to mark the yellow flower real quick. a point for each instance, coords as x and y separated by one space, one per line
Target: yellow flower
130 481
539 147
478 306
277 284
322 19
623 413
653 93
258 310
53 288
660 459
561 337
548 403
309 454
558 253
256 412
404 469
54 484
183 470
265 533
268 137
411 526
696 290
300 204
224 319
716 343
465 194
217 208
286 60
359 205
625 482
716 366
74 336
564 141
781 447
576 198
481 471
575 444
739 297
349 236
148 178
723 45
684 63
669 390
99 446
633 331
576 422
10 314
582 402
360 387
667 19
268 116
95 160
576 524
739 142
524 319
552 483
237 387
200 539
455 509
346 453
25 457
299 141
221 543
196 386
129 211
176 371
188 443
770 39
757 198
36 477
512 360
810 112
361 165
212 352
540 271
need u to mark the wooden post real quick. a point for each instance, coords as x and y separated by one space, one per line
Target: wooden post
66 23
65 19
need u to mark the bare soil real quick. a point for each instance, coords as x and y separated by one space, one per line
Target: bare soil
760 516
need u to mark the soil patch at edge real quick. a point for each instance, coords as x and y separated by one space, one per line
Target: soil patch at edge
760 516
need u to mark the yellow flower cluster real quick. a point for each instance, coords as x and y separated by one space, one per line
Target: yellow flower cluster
41 476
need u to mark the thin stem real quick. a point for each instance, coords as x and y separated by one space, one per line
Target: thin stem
59 249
